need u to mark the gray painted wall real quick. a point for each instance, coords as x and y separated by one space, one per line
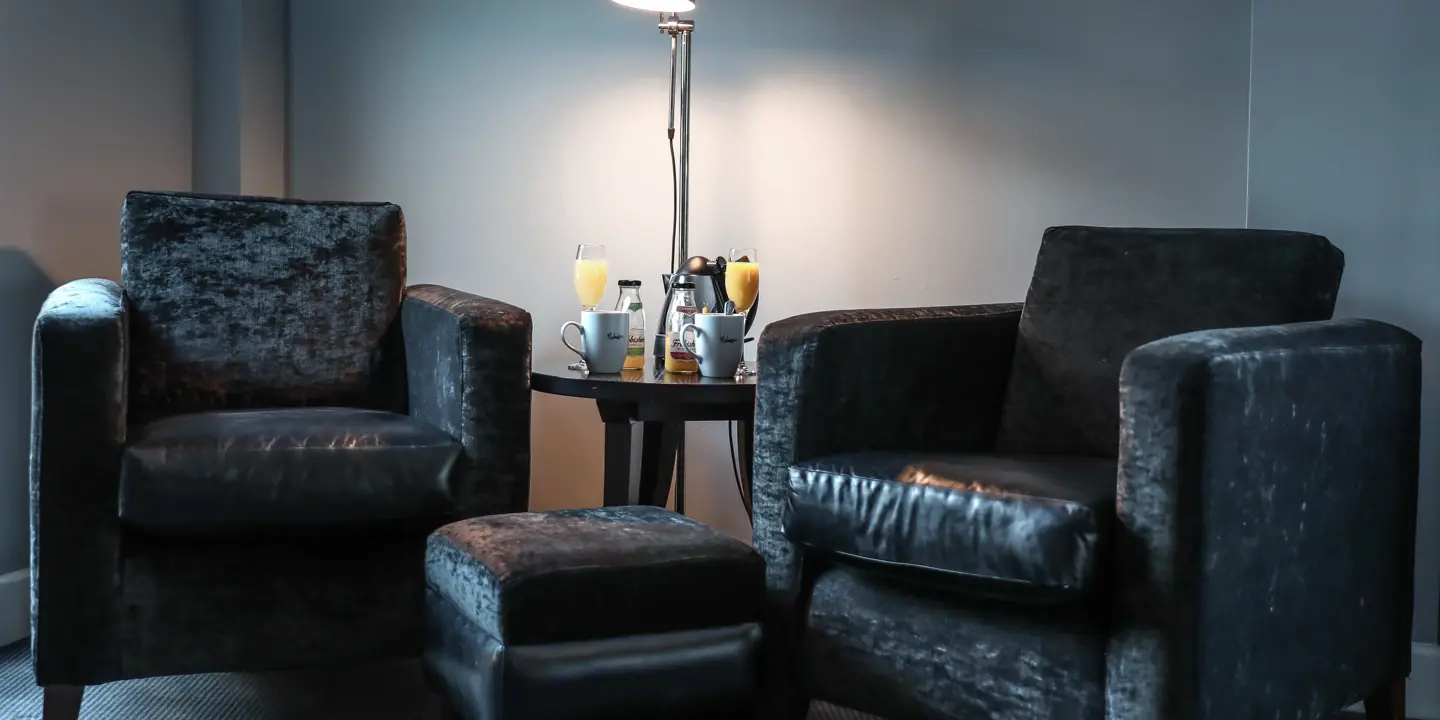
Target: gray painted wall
95 99
218 95
266 77
906 152
1346 142
241 84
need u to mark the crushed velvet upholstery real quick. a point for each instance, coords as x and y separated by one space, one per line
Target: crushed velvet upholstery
1033 528
1266 485
1234 568
1099 293
597 613
193 604
467 361
242 304
533 578
256 471
705 674
259 305
77 437
799 416
877 643
900 407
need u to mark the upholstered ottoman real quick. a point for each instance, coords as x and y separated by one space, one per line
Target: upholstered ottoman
622 612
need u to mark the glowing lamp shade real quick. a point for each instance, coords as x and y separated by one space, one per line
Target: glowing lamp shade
667 6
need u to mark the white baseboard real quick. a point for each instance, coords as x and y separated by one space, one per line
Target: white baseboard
1422 690
14 606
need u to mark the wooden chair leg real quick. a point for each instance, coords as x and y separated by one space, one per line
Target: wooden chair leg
1387 703
62 702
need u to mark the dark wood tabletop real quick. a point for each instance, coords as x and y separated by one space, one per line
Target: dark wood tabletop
642 386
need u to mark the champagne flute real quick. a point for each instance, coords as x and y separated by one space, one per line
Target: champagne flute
592 271
742 285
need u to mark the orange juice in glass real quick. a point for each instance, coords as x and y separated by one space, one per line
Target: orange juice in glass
742 282
742 285
592 271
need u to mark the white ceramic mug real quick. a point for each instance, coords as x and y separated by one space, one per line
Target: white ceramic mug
604 340
719 343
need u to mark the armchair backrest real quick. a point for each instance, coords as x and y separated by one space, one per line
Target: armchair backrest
239 302
1099 293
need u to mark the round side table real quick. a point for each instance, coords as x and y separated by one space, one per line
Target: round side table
662 403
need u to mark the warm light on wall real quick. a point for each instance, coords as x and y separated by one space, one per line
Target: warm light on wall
664 6
680 32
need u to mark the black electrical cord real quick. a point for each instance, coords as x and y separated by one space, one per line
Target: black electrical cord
734 466
674 205
730 435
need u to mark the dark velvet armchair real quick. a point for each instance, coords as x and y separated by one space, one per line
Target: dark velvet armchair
239 450
1167 487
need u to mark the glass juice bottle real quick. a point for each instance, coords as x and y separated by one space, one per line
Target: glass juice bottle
630 302
682 313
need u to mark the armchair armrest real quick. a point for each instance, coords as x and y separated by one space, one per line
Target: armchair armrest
1267 490
915 379
78 414
468 371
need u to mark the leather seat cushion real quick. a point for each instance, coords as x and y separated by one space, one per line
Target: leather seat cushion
575 575
219 473
1028 527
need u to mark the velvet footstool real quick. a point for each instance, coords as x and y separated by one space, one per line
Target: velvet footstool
620 612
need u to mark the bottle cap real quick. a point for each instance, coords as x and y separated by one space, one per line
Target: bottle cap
629 283
682 286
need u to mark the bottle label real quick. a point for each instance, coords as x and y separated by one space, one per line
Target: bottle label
683 315
637 342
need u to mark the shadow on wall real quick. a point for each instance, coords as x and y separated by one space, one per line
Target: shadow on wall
23 289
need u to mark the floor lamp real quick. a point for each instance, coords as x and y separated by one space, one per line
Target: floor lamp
681 34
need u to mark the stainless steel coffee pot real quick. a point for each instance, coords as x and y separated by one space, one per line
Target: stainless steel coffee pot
709 279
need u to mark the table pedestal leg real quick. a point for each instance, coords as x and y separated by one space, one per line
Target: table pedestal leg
618 428
657 461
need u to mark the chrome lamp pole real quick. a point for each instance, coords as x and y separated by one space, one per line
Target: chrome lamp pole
682 35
